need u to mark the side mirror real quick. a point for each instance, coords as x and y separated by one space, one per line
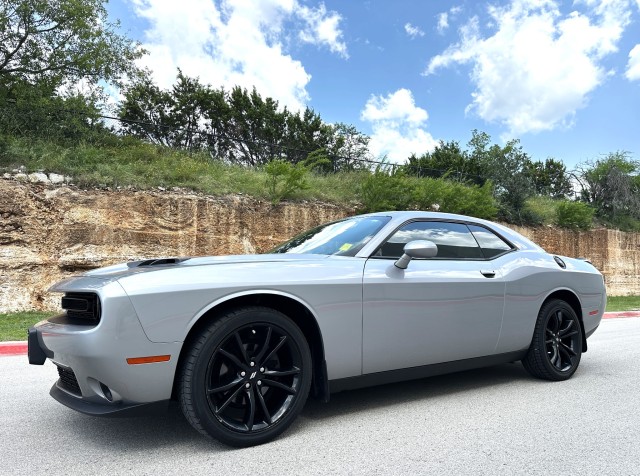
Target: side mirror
416 249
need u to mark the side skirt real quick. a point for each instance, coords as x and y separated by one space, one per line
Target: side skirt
412 373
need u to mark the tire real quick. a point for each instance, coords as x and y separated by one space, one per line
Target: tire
246 377
556 346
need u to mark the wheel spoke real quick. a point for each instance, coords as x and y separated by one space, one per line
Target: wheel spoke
241 347
282 373
273 383
557 320
570 334
566 328
252 408
265 410
224 388
275 349
555 356
228 401
569 351
231 357
267 339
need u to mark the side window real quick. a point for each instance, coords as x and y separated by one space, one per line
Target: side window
491 244
454 240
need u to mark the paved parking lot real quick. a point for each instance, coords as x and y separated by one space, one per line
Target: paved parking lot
489 421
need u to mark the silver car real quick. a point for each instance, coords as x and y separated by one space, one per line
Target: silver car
241 341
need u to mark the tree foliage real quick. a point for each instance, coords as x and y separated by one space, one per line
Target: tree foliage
550 178
62 41
611 185
237 126
284 179
447 160
574 215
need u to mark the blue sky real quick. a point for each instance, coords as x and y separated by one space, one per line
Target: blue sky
563 77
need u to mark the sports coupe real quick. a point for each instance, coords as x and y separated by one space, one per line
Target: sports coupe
241 341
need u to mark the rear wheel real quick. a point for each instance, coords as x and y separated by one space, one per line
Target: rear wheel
556 346
246 378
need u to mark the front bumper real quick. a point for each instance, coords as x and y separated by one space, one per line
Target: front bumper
102 410
95 377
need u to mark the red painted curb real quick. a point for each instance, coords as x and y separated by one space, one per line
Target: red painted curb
20 348
615 315
13 348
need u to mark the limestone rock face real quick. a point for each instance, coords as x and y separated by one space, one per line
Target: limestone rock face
50 232
47 233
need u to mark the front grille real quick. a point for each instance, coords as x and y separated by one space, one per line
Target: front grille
68 380
84 307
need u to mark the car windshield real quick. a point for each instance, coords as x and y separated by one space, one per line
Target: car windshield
343 238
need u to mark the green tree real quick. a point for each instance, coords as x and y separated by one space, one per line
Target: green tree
446 160
62 41
170 118
348 148
255 126
507 168
550 178
612 186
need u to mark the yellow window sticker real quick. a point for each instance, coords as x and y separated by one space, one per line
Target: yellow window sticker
346 247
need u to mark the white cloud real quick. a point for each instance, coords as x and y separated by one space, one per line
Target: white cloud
443 19
235 42
538 66
443 22
398 126
633 66
413 31
322 29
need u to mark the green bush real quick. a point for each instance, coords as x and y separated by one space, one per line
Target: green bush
574 215
284 178
383 191
455 197
541 210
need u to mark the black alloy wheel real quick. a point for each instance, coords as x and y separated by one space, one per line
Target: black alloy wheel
556 347
247 377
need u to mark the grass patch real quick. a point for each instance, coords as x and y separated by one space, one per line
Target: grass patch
129 162
623 303
13 326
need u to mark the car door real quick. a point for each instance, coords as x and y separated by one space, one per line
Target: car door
441 309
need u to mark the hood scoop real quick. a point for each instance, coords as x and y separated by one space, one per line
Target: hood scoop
155 262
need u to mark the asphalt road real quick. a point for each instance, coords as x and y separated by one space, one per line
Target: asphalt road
492 421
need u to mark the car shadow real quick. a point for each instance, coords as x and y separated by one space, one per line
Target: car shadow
365 399
171 429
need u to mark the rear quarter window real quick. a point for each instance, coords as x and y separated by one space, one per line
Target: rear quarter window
490 243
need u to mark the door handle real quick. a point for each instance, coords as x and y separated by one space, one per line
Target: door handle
488 273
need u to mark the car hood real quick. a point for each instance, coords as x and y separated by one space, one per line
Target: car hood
146 266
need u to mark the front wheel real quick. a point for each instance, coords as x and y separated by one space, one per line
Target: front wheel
247 376
556 346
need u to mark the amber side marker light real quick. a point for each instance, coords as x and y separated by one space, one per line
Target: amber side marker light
148 360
